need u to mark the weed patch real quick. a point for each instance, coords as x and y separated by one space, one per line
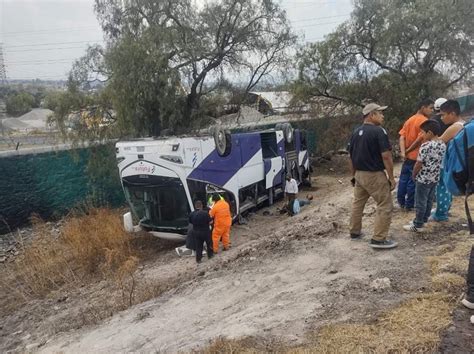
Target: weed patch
412 327
90 247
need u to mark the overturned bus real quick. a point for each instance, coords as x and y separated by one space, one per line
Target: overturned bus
162 177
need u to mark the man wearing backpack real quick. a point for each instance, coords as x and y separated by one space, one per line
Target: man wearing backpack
371 156
450 114
409 134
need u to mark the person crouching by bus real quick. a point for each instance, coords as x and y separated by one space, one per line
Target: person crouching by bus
291 191
220 212
201 231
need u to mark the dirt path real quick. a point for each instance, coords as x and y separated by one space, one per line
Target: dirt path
283 277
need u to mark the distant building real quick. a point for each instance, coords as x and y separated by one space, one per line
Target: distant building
272 107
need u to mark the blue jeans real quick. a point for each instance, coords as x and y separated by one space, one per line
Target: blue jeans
406 186
423 202
443 200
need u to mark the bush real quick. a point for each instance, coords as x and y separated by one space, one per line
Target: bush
92 246
19 104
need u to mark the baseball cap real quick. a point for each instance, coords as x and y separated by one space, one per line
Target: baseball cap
438 103
373 107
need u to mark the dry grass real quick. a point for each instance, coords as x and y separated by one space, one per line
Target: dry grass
416 325
245 345
448 282
90 247
413 327
452 258
449 266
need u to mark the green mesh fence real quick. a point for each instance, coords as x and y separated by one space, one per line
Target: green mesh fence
52 183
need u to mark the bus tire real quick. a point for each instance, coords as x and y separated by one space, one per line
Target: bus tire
222 140
288 132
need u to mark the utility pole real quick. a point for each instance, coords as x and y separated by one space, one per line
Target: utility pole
3 71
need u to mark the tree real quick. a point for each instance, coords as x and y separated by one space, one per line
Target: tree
163 58
395 52
19 103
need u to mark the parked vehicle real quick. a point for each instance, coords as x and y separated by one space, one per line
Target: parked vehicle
161 177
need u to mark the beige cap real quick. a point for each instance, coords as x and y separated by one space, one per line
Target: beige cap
372 107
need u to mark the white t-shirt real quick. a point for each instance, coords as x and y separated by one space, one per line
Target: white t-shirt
291 186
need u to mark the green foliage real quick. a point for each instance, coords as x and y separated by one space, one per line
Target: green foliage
81 116
164 60
52 100
20 103
144 91
395 52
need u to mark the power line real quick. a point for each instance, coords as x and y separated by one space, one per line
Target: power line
319 18
56 30
318 24
34 64
41 50
307 4
51 43
42 60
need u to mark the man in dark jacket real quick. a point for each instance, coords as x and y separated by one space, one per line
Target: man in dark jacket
201 232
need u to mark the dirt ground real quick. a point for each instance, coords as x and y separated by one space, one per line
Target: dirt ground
283 278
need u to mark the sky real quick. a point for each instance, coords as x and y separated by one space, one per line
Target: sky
42 38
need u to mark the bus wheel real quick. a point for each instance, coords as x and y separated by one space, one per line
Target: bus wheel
288 132
222 140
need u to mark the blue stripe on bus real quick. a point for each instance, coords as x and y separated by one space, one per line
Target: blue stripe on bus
219 170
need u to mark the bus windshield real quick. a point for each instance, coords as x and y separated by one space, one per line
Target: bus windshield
158 202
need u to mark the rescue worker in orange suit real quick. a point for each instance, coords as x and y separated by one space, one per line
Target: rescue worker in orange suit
220 212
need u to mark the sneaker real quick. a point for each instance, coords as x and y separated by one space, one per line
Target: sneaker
357 236
411 227
382 244
178 251
468 304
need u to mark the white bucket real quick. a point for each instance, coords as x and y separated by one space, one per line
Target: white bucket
128 222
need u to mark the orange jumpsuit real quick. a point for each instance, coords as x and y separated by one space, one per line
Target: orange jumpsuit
220 212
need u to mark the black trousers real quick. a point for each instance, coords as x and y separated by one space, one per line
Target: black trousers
291 201
470 277
200 237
